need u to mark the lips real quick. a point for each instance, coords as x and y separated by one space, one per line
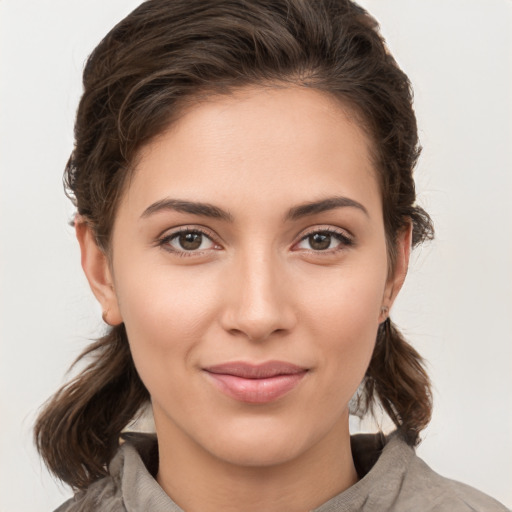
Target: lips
256 384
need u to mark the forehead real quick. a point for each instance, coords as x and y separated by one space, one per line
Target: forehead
262 143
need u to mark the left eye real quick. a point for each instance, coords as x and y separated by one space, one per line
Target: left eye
323 241
188 241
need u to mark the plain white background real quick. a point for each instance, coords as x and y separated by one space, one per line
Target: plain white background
456 307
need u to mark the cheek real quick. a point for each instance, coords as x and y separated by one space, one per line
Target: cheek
166 312
342 316
346 299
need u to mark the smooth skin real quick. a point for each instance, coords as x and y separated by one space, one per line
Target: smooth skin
253 276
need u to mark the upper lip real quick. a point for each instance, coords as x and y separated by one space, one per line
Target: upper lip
256 371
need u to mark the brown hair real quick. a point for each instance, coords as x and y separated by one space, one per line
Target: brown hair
137 81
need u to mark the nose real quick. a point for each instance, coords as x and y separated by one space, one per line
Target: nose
259 294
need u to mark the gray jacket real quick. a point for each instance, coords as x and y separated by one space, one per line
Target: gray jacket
392 478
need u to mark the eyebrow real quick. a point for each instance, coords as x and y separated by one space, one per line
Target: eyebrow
195 208
330 203
212 211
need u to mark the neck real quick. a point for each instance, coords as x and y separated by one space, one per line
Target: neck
200 482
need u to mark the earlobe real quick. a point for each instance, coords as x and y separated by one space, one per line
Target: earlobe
397 278
97 271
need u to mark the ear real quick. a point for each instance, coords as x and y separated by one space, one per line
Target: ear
399 272
97 270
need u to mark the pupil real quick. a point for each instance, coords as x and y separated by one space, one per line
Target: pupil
190 241
320 241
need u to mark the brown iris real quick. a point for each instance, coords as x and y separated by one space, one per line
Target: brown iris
320 241
190 241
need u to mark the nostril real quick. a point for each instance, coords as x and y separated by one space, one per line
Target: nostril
257 333
258 305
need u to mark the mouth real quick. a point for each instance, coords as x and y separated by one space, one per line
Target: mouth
255 384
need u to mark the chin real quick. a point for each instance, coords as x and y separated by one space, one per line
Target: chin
257 453
263 443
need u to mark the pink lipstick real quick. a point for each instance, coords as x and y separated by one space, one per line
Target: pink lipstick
255 384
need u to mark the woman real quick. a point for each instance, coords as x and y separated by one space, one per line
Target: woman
243 181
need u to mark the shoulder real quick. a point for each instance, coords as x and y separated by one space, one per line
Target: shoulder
394 479
421 488
439 493
129 474
102 495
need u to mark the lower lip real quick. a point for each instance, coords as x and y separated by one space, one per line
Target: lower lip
256 391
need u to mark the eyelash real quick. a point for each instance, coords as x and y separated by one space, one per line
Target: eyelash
164 242
341 235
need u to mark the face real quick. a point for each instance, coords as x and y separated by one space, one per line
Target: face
249 266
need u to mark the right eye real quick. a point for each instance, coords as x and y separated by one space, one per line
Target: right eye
188 242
